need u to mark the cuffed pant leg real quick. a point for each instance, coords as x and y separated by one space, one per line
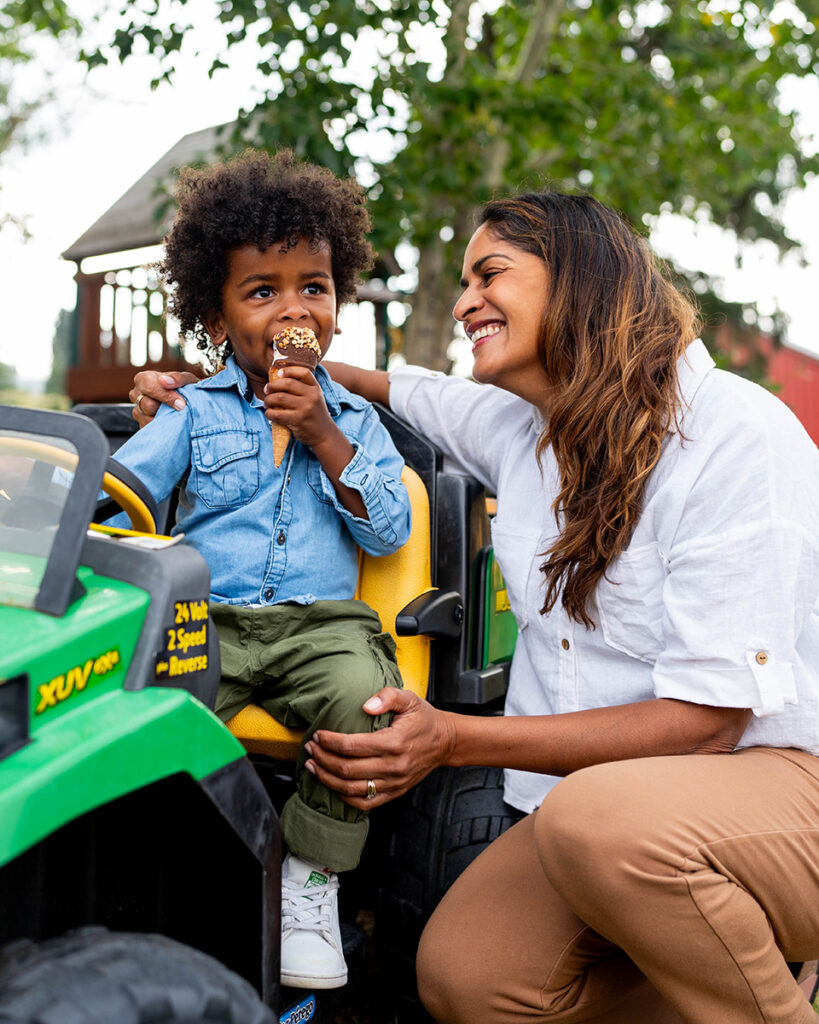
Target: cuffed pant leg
336 663
704 869
504 948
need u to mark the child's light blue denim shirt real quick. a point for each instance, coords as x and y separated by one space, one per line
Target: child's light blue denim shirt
270 535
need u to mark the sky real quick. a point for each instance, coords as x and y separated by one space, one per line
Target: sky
106 129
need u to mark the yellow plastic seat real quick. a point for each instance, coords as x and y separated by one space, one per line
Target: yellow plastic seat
387 584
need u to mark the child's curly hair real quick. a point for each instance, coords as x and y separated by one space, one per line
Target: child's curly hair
257 199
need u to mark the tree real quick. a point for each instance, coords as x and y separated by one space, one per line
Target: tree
652 106
8 377
21 23
63 351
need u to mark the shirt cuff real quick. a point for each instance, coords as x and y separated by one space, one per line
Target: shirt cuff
361 474
763 684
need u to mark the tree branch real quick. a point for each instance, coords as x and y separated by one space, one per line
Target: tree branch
455 36
535 45
542 25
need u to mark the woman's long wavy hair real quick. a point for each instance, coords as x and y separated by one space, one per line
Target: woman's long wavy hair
613 330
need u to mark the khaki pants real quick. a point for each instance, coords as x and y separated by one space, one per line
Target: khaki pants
650 891
311 667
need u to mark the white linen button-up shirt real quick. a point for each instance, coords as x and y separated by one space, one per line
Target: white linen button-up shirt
715 599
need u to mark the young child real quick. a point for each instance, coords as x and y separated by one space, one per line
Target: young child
261 244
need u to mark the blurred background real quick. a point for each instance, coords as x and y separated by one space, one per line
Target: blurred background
698 121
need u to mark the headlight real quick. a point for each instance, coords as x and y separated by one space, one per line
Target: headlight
14 708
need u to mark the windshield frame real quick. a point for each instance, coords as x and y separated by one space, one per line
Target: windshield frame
59 585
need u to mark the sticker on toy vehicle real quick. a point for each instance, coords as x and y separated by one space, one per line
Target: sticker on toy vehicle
303 1011
75 679
186 642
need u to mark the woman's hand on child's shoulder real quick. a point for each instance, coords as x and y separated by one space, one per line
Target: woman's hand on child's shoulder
152 389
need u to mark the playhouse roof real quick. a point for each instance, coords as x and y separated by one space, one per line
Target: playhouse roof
131 223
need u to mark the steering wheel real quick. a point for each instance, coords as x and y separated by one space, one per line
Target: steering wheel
126 490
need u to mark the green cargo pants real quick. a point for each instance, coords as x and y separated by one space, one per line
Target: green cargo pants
311 667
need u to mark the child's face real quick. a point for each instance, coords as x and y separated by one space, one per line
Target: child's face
264 293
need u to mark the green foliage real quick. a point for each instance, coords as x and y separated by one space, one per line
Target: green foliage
8 376
653 107
20 22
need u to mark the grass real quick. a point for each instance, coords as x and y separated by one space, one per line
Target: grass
13 396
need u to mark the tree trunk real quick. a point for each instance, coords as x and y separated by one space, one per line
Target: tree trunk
430 328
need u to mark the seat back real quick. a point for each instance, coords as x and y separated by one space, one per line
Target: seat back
387 584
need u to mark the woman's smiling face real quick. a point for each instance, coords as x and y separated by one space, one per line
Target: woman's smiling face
501 308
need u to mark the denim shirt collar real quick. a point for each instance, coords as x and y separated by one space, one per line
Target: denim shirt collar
233 376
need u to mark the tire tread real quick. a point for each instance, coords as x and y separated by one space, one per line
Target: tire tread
92 975
436 831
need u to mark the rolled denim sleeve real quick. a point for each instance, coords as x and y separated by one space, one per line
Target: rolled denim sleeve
375 472
159 455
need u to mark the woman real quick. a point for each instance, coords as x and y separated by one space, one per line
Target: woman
656 527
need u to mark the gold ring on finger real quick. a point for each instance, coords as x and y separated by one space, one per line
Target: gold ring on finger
370 789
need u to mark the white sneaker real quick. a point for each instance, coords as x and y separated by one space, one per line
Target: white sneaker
312 955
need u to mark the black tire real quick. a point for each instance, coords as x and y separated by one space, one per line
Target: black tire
93 976
435 832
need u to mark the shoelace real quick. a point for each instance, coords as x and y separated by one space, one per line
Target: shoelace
306 908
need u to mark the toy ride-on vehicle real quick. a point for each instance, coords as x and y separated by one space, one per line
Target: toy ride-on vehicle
140 852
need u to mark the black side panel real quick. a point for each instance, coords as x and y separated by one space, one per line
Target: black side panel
462 530
163 859
171 574
115 421
242 800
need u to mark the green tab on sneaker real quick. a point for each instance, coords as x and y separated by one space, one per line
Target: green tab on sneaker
316 878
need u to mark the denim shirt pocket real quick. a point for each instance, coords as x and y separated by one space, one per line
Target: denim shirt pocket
226 466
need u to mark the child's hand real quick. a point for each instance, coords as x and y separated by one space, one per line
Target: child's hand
295 399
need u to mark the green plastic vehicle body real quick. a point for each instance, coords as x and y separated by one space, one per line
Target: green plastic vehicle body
95 742
116 780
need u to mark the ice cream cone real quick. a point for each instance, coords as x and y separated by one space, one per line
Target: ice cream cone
294 346
281 439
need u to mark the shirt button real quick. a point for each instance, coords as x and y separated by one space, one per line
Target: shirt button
761 657
564 643
282 537
268 593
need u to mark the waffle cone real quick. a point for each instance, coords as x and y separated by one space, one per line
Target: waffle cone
281 439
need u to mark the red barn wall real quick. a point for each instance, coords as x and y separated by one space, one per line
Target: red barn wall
797 375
